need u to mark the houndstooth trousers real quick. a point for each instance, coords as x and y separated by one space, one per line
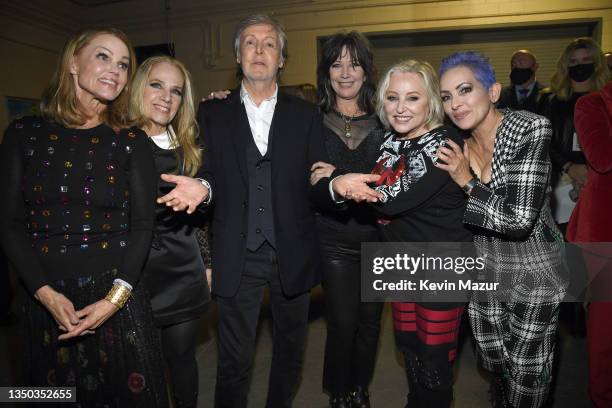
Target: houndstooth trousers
517 340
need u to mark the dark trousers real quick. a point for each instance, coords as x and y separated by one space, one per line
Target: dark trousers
353 326
238 317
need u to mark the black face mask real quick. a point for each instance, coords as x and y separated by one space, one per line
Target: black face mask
581 72
519 76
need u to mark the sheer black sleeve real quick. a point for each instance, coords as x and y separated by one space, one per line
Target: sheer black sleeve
13 234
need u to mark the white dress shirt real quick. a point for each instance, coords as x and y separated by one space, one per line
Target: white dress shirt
260 117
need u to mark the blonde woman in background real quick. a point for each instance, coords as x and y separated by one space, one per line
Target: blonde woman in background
162 105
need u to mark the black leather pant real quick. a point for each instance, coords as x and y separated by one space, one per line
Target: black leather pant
353 326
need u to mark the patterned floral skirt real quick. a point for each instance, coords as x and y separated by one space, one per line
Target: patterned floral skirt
118 366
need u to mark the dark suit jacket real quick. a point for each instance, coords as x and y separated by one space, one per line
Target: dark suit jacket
295 143
508 99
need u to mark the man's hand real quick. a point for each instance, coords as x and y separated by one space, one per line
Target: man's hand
187 195
353 186
578 174
217 95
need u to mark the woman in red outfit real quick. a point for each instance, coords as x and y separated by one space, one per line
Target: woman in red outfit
590 222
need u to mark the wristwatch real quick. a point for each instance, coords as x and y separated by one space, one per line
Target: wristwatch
467 188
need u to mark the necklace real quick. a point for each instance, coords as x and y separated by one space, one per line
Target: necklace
347 122
347 125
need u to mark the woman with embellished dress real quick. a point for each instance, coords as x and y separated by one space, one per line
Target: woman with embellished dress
162 105
78 209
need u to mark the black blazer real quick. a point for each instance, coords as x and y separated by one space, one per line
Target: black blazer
295 143
508 99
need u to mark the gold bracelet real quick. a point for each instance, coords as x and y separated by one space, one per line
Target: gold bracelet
118 295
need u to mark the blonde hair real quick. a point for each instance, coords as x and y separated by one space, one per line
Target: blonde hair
184 125
435 116
59 102
561 85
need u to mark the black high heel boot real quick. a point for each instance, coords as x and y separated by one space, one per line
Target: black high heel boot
339 401
499 396
193 403
360 398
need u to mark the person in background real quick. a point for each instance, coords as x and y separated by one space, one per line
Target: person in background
162 104
504 170
353 135
524 91
590 223
78 212
581 69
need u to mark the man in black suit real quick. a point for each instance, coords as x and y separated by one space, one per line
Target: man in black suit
525 89
259 147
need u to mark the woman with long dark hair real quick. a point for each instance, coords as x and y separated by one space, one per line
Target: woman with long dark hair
353 134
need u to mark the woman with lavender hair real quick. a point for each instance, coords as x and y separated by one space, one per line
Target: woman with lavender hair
504 170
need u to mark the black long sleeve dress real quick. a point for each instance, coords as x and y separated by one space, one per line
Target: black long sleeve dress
77 213
174 273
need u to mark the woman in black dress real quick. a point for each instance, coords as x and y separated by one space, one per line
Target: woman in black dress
77 220
353 135
162 105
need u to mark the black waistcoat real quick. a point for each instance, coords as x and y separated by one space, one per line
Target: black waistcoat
261 221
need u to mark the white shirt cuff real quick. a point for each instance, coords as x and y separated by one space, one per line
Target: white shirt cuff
333 194
207 185
123 283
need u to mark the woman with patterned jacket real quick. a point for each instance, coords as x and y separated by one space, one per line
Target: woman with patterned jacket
418 202
504 169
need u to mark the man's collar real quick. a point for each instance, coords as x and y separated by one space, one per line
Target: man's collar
244 93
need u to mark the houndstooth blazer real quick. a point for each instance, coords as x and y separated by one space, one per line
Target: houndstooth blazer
511 214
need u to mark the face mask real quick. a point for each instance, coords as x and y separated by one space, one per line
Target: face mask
581 72
519 76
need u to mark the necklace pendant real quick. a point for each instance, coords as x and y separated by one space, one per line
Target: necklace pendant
347 130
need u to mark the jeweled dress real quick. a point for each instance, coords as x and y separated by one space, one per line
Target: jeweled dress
77 213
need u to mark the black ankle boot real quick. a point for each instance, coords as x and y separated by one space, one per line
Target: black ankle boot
339 401
498 395
360 398
192 403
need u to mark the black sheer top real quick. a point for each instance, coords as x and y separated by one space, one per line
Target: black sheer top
356 154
